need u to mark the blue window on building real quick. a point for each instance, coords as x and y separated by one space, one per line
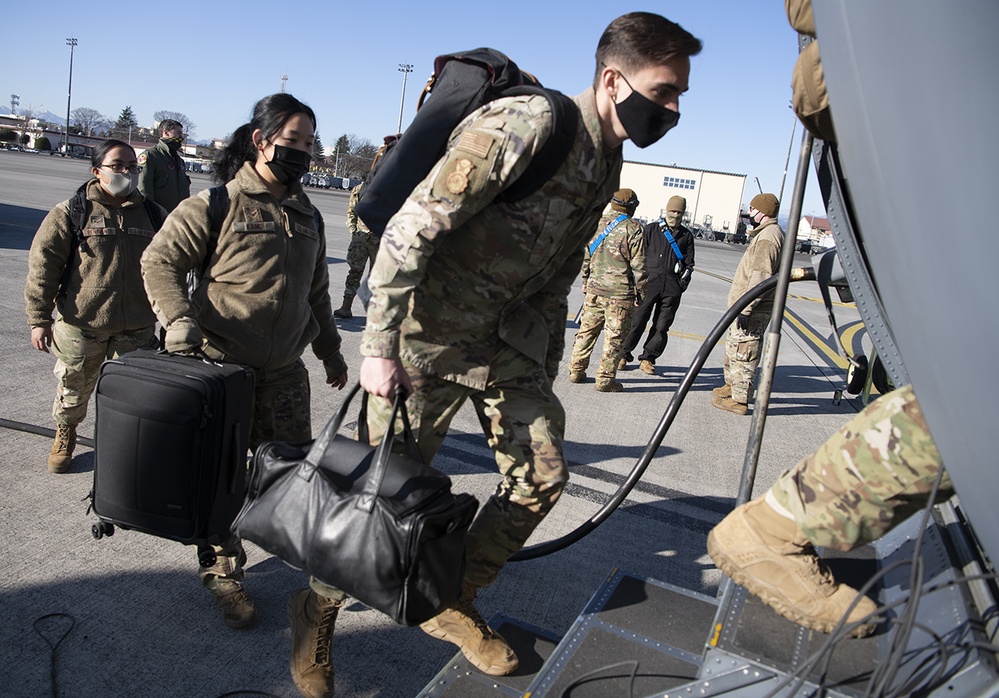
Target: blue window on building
677 183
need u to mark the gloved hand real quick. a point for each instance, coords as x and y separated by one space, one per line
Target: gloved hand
183 337
742 322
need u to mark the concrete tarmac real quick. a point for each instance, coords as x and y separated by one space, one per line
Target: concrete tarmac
139 622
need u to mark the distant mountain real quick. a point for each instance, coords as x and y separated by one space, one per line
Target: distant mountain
43 115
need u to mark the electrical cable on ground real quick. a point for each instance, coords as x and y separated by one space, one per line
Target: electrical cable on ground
53 645
542 549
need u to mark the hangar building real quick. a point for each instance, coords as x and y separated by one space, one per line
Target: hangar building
713 198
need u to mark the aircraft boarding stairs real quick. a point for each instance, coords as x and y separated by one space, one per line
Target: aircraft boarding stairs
643 637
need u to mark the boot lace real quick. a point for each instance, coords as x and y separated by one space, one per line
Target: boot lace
466 608
817 568
230 601
322 638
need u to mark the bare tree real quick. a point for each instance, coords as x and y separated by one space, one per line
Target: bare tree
184 120
353 156
87 119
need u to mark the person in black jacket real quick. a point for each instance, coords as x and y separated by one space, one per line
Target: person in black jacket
669 259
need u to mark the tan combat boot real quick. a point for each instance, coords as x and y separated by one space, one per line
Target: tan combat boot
576 376
312 619
61 454
723 391
462 625
622 363
611 386
343 312
236 605
768 554
647 367
730 405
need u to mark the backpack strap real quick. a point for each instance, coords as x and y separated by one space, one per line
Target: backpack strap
555 150
154 215
607 231
669 238
77 220
218 207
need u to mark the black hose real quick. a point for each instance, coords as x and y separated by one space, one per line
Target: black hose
41 431
552 546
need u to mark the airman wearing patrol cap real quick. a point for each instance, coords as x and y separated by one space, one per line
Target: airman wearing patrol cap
759 263
613 283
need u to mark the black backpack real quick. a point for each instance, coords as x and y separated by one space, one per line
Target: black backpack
78 212
461 83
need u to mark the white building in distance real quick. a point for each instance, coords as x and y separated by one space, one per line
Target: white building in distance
714 199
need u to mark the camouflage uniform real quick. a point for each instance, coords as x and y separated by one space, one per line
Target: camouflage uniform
363 245
264 299
872 474
104 311
470 292
614 277
742 351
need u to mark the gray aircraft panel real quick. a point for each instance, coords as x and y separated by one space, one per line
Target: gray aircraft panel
913 94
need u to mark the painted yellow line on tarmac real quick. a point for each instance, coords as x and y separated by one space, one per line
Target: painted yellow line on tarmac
819 300
686 335
817 342
849 333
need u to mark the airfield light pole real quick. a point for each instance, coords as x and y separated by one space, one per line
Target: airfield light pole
69 98
787 161
405 69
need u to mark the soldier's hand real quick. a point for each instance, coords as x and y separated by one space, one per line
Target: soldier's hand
338 382
382 377
742 322
41 337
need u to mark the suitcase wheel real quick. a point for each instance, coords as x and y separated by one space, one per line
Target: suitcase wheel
207 557
101 529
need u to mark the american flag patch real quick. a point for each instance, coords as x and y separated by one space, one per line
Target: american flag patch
478 144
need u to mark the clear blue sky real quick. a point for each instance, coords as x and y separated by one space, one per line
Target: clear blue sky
213 60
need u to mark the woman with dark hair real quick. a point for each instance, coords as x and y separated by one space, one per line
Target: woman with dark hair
263 297
84 260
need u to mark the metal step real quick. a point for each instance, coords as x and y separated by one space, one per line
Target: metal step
642 637
459 679
634 630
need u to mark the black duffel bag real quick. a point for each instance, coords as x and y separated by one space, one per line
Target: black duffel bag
381 526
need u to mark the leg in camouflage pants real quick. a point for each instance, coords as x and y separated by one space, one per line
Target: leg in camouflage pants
79 354
524 423
613 315
872 474
281 412
742 354
362 250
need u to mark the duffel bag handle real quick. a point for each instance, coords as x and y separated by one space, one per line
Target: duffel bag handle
380 461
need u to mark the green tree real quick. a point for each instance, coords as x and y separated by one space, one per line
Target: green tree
7 135
23 140
43 143
318 155
125 124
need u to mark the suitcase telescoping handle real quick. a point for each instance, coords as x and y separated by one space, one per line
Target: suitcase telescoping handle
380 461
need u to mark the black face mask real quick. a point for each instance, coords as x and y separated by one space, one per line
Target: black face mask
644 120
289 164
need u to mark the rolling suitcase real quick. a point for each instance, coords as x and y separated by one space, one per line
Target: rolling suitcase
170 446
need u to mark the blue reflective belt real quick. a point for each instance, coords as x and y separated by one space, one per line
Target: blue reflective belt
607 231
672 242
